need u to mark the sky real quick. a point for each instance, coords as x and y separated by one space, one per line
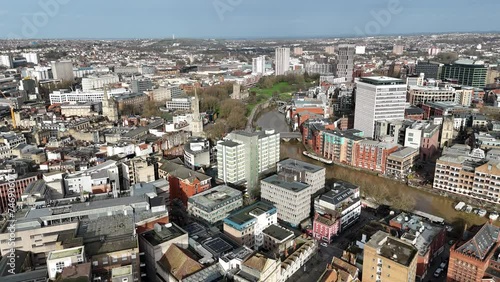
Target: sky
109 19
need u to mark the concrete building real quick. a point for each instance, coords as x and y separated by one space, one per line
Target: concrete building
242 156
398 49
84 109
291 198
401 162
197 153
246 225
63 96
259 268
141 86
6 61
305 172
429 69
277 239
467 72
31 57
63 70
179 103
330 50
259 65
342 202
418 95
345 63
164 93
378 98
475 255
101 178
156 242
136 100
58 260
387 258
282 62
137 170
98 82
215 204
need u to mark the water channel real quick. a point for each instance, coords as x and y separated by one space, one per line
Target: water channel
424 201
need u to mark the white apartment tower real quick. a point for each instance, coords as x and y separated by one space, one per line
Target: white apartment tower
345 63
282 61
259 65
31 57
378 98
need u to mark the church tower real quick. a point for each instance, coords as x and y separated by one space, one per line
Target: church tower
197 122
109 108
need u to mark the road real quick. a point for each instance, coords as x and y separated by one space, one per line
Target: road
273 119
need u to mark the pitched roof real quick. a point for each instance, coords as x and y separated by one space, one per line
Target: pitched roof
179 263
181 172
481 242
257 262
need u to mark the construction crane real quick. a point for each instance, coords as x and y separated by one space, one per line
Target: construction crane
12 115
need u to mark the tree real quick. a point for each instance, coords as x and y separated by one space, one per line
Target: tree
236 120
217 131
209 103
151 109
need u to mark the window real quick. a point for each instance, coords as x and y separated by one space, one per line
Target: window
59 266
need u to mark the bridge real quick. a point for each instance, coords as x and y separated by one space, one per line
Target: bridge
287 136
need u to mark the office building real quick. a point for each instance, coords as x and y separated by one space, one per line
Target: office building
321 69
305 172
64 96
429 69
137 170
378 98
291 198
6 61
277 239
386 258
360 50
259 65
242 156
31 57
164 93
297 51
345 63
466 72
475 256
135 100
282 63
330 50
98 82
101 178
215 204
418 95
141 86
197 153
63 70
246 225
84 109
179 103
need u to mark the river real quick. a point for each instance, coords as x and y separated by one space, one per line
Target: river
424 201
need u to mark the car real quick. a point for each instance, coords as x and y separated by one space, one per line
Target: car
443 265
482 212
324 244
437 273
451 242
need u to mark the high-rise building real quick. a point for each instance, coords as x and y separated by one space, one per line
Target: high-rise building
63 70
297 51
259 65
378 98
345 64
330 50
430 69
6 61
467 72
109 108
31 57
243 155
360 50
282 61
387 258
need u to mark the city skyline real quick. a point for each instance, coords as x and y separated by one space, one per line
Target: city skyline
241 19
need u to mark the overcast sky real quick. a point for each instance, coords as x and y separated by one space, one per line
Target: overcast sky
242 18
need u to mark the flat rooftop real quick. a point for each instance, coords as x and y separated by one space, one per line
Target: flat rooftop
392 248
292 186
66 253
167 233
215 197
278 232
299 165
247 215
382 80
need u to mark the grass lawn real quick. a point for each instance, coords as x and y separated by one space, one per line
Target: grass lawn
283 88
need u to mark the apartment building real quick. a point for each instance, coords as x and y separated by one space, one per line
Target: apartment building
325 227
246 225
97 82
282 61
133 99
342 202
339 146
101 178
291 198
215 204
400 163
136 170
418 95
345 63
305 172
242 156
386 258
373 155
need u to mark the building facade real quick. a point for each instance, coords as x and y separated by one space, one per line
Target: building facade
282 61
215 204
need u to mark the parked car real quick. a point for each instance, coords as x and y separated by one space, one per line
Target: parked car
324 244
442 265
494 216
482 212
437 273
468 209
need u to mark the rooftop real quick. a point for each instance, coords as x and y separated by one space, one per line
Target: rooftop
163 234
300 165
292 186
382 80
65 253
278 232
215 197
246 216
479 241
177 262
392 248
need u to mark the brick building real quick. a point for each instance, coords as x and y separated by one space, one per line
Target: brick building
373 154
325 227
19 186
471 256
